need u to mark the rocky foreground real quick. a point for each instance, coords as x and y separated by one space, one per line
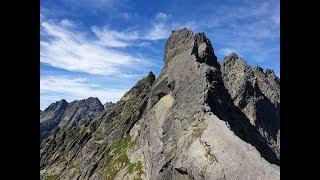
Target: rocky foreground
198 120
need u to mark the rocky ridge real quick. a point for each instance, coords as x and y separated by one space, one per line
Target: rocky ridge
257 93
62 114
108 105
195 121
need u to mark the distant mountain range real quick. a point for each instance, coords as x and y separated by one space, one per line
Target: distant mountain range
200 119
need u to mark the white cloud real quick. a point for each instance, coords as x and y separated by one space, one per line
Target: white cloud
53 88
227 51
162 16
67 23
111 38
158 31
161 28
69 49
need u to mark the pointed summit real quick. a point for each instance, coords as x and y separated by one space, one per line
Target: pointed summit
183 42
257 93
203 49
178 42
195 120
231 58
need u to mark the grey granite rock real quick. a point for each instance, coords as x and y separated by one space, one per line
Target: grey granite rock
51 117
62 114
257 93
189 90
81 111
108 105
186 124
84 151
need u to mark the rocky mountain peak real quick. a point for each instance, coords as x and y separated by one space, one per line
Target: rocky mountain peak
257 93
179 41
258 68
203 49
197 120
233 60
53 110
93 103
64 114
184 40
56 105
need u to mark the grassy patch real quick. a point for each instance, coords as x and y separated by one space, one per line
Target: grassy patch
52 177
119 160
138 168
72 165
120 146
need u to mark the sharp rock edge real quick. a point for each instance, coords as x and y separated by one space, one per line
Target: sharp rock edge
198 120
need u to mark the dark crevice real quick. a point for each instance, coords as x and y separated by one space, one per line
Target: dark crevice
163 88
181 171
140 114
160 95
165 166
171 85
93 169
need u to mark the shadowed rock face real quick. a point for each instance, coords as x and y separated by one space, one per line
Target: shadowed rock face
257 94
51 117
192 85
186 124
67 114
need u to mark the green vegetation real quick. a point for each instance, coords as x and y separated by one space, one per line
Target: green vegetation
120 146
52 177
72 165
138 168
120 160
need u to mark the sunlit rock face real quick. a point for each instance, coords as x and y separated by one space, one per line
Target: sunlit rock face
197 120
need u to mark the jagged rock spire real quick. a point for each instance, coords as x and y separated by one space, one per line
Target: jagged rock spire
257 93
183 40
185 124
204 50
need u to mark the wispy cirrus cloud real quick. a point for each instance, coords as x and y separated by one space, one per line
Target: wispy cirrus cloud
162 26
162 16
228 51
107 44
70 49
249 28
158 31
112 38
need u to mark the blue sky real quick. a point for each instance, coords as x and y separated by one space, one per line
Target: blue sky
101 48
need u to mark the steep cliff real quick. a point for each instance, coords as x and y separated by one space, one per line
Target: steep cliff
195 121
257 93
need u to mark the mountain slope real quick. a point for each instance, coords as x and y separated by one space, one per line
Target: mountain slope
62 113
83 151
186 124
257 94
174 137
